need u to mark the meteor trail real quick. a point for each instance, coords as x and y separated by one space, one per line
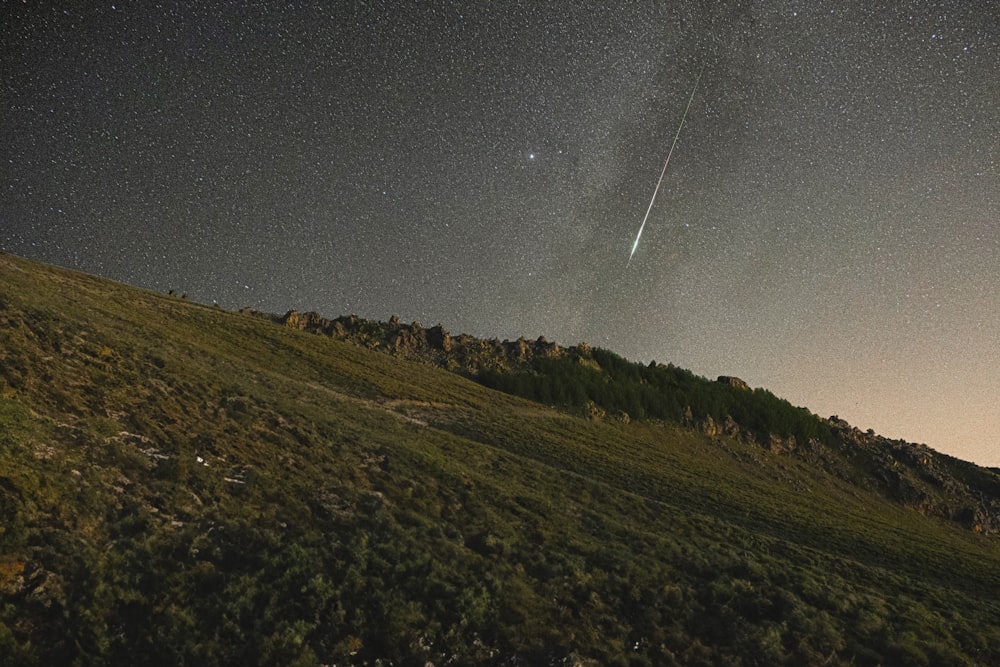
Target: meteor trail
664 170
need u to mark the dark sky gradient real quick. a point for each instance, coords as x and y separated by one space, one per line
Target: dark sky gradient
828 228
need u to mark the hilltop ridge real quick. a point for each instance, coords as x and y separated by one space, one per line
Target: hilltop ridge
598 383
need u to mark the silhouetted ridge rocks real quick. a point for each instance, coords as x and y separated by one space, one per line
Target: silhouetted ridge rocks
914 474
463 353
733 382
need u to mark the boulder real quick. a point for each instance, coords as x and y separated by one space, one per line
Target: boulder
734 382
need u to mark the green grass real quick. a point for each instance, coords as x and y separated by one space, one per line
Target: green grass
357 507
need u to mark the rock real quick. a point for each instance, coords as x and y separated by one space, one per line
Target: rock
544 348
593 411
520 350
438 338
779 445
408 341
622 417
734 382
317 323
688 416
728 426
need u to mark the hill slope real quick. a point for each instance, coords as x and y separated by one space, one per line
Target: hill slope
180 484
598 383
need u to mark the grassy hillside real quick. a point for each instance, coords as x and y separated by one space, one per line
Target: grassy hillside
184 485
600 384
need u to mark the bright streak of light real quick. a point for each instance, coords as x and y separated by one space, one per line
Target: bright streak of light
664 170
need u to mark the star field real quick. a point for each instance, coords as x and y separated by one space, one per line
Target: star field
828 227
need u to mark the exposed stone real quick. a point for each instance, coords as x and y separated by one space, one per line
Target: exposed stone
593 411
622 417
734 382
311 321
544 348
779 445
688 416
438 338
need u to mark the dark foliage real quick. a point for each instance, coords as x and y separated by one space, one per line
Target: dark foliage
617 385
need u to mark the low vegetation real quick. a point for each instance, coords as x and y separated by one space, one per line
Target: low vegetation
184 485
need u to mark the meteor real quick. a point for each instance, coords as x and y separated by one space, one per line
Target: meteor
664 170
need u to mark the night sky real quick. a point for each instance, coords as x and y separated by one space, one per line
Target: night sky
828 227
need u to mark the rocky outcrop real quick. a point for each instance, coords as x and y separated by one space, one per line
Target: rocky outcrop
779 445
311 321
463 353
728 426
593 411
914 474
733 382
